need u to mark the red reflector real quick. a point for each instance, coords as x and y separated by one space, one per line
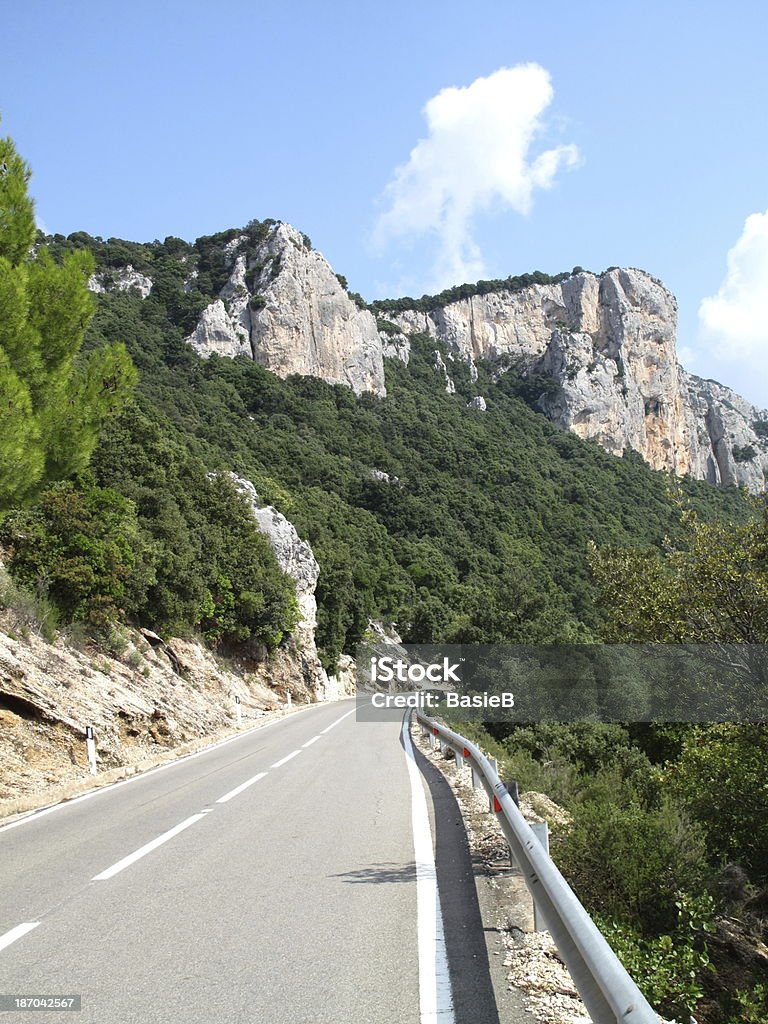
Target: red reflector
496 804
436 731
466 752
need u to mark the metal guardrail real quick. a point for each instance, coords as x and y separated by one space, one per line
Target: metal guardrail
608 992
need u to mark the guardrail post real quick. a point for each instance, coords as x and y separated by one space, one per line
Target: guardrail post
495 765
541 830
514 791
476 780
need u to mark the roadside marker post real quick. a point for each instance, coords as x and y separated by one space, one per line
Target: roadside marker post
239 711
90 744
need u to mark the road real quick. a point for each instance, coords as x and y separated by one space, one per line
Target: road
287 875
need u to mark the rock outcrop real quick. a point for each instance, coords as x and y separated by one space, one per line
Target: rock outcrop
296 558
295 318
121 280
151 700
608 342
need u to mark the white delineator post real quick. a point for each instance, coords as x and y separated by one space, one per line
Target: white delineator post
90 744
288 694
239 711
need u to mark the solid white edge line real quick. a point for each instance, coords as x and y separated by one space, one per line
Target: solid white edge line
435 1000
239 789
147 848
16 933
112 786
310 742
334 724
283 760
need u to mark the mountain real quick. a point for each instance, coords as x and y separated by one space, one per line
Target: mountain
601 347
608 342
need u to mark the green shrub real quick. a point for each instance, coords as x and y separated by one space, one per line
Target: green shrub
668 969
28 609
629 863
82 548
720 777
744 453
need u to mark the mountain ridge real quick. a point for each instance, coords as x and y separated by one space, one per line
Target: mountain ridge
602 346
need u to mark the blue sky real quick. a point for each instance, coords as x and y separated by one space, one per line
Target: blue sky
143 120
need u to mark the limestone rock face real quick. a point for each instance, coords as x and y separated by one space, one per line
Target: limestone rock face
609 344
218 332
294 318
308 324
120 280
727 446
395 346
294 556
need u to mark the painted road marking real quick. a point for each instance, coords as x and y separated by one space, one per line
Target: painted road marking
334 724
310 742
16 933
282 761
435 999
112 786
239 789
147 848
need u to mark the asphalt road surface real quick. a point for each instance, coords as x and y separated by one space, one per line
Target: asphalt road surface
288 875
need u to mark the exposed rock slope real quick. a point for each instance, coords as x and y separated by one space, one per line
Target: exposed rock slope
296 558
609 343
295 318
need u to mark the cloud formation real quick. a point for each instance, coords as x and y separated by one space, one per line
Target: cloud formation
477 153
734 322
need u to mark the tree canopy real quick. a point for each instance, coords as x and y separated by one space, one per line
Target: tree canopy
53 401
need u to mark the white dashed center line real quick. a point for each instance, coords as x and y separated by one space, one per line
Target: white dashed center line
147 848
280 763
16 933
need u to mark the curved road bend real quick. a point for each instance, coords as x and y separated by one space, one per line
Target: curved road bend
274 878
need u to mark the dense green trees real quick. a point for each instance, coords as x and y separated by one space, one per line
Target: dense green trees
52 403
712 588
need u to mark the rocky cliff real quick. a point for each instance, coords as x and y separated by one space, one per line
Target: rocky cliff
295 317
608 342
296 558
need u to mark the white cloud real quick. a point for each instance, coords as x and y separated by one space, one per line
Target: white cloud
477 153
734 322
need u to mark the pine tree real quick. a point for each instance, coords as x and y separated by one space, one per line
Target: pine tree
53 400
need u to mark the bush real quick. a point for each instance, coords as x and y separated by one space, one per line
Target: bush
82 548
667 969
627 862
744 453
28 610
720 777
